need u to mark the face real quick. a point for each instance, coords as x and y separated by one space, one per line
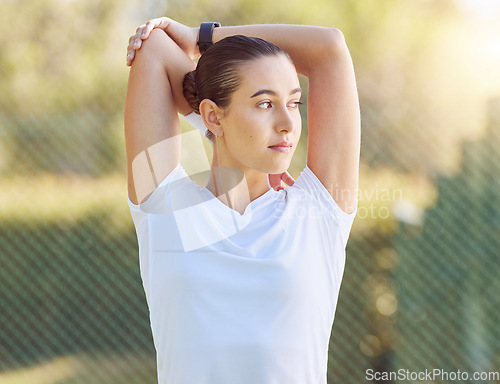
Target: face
262 125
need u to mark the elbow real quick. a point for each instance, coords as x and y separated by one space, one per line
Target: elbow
329 47
334 41
154 46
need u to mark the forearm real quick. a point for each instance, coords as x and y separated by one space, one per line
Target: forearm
306 45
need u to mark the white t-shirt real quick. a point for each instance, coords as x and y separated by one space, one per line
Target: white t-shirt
241 298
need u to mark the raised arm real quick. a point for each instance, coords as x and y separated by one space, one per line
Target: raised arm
154 96
334 140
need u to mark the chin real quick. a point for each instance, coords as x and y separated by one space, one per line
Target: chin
275 169
271 166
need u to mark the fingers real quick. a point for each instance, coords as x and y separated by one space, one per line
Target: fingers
142 33
149 26
130 57
278 181
287 178
275 181
134 43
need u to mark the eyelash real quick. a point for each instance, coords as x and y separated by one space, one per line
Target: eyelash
297 103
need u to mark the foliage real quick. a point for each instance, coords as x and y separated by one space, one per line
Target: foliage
62 87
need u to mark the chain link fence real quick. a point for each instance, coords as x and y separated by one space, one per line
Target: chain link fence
420 291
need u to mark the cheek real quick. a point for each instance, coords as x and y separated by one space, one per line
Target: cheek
250 129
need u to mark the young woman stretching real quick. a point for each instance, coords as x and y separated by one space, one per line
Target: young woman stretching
242 276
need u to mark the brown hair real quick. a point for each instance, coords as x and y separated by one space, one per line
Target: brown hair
217 73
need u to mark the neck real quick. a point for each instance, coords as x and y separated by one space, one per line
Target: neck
235 186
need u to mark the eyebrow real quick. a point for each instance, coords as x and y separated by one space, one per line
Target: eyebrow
272 93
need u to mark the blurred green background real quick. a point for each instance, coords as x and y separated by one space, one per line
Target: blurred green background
421 287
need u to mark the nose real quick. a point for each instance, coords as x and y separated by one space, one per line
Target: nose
284 121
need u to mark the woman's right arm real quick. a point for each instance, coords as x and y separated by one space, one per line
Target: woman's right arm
154 97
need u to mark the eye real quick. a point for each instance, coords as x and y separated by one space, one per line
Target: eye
264 104
295 104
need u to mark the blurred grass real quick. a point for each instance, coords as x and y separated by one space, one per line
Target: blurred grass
48 198
82 368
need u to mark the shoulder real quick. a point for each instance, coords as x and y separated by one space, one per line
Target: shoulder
175 185
309 188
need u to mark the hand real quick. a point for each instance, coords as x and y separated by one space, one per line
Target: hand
276 180
185 37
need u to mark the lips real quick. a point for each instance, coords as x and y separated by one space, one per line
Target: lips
281 144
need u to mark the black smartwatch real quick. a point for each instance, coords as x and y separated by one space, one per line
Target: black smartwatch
205 37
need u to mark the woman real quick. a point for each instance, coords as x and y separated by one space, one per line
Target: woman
242 276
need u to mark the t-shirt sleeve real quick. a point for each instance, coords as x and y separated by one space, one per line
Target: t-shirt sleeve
310 183
157 202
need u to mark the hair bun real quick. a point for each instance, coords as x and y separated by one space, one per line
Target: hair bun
189 91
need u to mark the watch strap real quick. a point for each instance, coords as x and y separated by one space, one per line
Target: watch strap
205 36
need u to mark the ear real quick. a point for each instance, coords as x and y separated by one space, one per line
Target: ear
211 115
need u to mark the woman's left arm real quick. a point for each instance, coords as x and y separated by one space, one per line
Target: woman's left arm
334 141
335 125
